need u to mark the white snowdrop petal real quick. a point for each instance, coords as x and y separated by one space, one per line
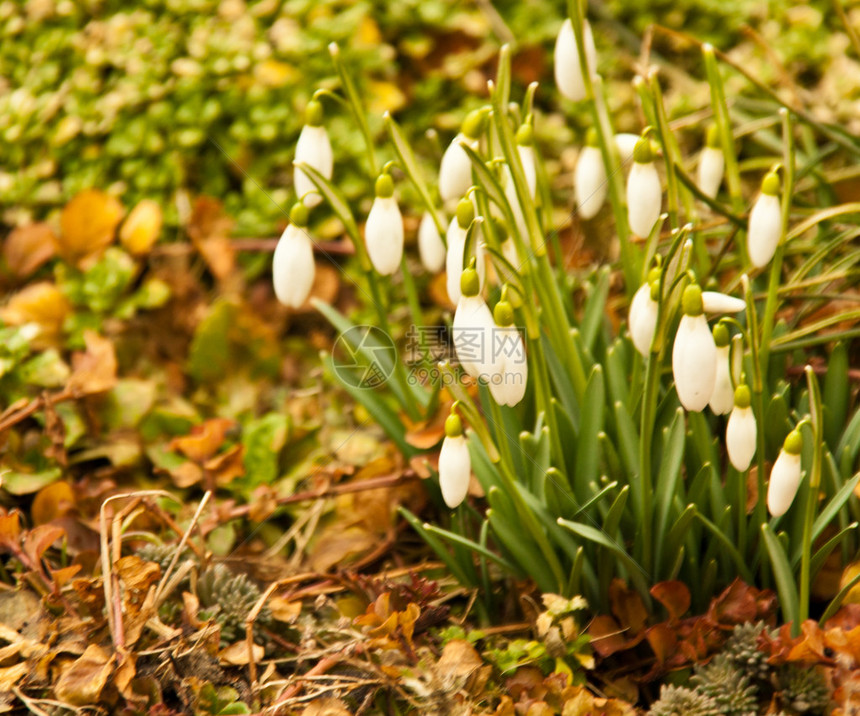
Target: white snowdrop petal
694 362
293 267
472 330
710 174
741 438
723 398
784 481
383 235
765 228
314 149
527 158
455 171
589 182
456 238
568 75
715 302
430 246
644 198
626 143
509 386
455 469
642 319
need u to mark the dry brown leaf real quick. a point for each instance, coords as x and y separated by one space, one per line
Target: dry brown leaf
187 474
458 662
137 574
627 606
237 654
40 303
204 440
673 595
83 681
39 539
10 529
338 545
141 228
28 247
209 229
328 706
11 675
87 224
284 610
51 502
227 466
93 371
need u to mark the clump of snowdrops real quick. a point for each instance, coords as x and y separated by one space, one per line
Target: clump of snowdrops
695 441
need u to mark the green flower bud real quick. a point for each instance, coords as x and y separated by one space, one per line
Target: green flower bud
470 284
770 184
721 335
384 186
743 399
453 425
299 214
465 213
642 152
525 135
475 123
503 314
691 301
314 113
793 442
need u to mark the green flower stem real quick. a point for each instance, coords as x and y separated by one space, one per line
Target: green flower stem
724 125
411 404
817 417
414 306
758 407
355 105
410 167
651 396
501 439
608 151
776 263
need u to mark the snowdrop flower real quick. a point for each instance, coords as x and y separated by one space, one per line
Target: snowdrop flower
510 387
456 239
723 398
785 475
383 232
430 246
644 194
714 302
712 163
314 149
626 144
293 263
473 329
568 73
455 466
455 171
694 355
765 224
741 431
642 318
589 178
525 148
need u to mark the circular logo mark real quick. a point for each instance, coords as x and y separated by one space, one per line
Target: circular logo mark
363 356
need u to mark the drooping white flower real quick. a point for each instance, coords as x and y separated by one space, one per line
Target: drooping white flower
455 171
589 178
712 164
383 232
525 148
568 73
455 465
765 223
644 193
723 398
741 431
694 355
626 144
642 317
473 328
314 149
510 387
293 266
431 250
456 240
785 475
715 302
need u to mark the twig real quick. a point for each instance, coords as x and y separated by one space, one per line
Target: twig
372 483
8 421
181 545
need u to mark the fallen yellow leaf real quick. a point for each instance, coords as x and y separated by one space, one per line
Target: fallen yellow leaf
141 228
88 224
